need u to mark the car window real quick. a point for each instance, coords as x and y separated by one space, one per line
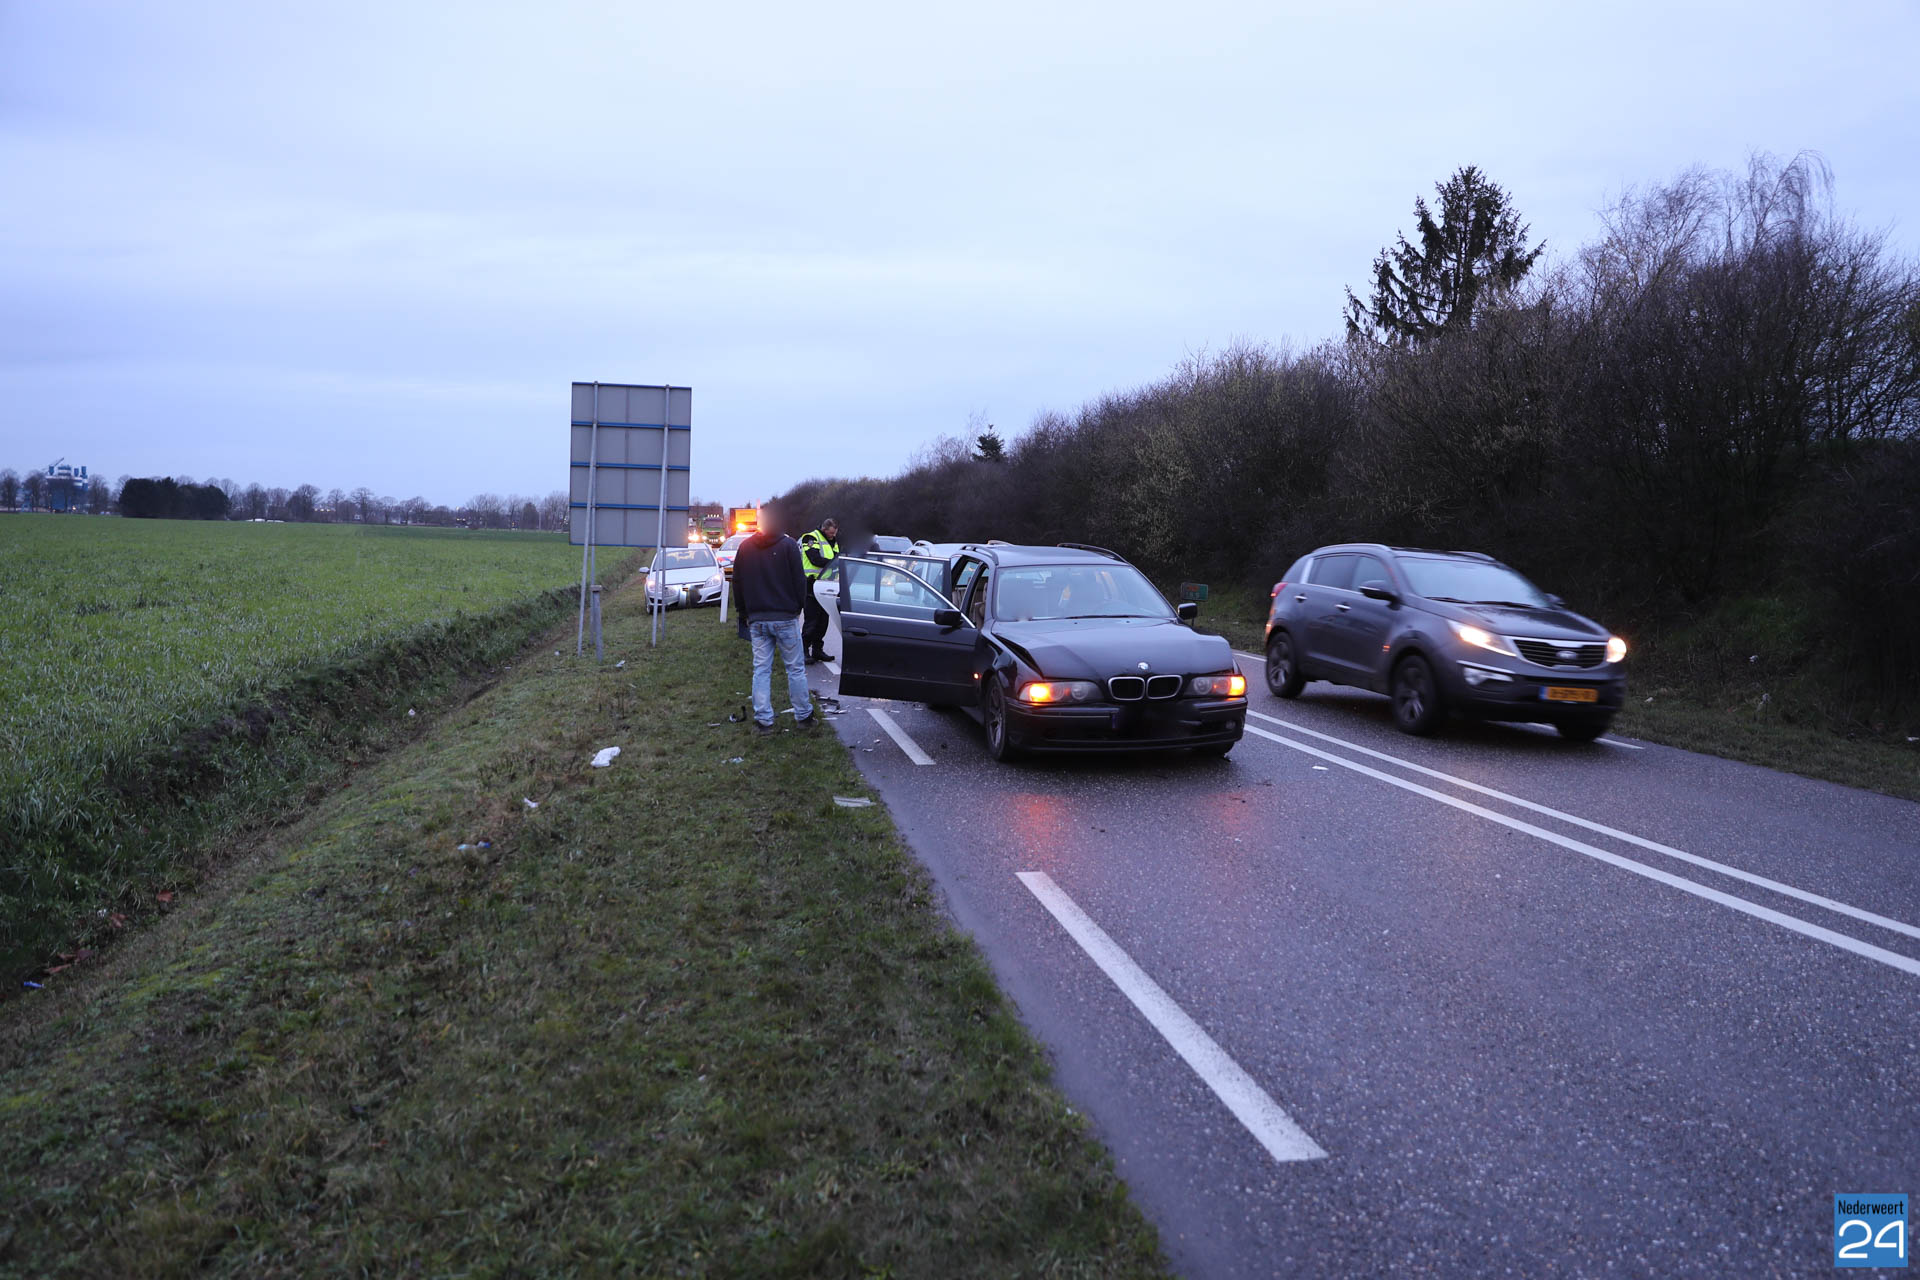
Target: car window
1076 591
1370 569
869 586
1333 571
977 599
963 578
672 558
1471 582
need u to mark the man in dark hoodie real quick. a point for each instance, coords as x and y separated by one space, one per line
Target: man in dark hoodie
771 588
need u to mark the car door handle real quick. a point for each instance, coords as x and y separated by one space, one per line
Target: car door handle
1344 608
856 631
1300 599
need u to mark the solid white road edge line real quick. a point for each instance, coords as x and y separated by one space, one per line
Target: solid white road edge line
1775 886
899 735
1611 742
1892 959
834 667
1275 1130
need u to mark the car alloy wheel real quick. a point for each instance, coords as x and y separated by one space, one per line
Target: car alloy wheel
1416 699
1283 673
999 736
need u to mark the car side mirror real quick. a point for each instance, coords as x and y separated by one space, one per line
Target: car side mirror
1187 610
1556 602
948 619
1378 590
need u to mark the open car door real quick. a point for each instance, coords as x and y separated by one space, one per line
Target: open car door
900 638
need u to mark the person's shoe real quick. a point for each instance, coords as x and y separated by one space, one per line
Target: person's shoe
812 658
762 730
825 656
807 721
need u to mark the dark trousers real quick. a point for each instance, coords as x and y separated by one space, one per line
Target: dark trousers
813 631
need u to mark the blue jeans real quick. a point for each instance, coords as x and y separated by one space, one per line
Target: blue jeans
786 633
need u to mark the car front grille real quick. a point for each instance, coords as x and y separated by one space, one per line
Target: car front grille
1134 688
1561 653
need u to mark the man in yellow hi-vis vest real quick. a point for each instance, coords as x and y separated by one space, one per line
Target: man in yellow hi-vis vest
817 550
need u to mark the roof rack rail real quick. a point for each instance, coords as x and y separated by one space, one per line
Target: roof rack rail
1088 546
1436 551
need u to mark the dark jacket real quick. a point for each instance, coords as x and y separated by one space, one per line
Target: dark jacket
768 579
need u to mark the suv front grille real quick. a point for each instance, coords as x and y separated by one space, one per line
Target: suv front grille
1127 688
1561 653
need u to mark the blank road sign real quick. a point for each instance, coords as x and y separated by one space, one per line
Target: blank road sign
623 437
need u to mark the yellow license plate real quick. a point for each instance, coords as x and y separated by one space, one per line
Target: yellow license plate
1562 693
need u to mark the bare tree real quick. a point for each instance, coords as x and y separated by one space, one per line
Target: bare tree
9 489
554 509
301 502
333 506
101 495
486 511
253 503
35 489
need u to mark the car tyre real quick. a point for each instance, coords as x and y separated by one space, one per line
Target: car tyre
1216 750
1417 708
999 732
1284 679
1581 730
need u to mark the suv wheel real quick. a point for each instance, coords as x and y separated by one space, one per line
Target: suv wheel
1283 668
999 738
1417 708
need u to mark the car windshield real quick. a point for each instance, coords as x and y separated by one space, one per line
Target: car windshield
733 543
1471 582
684 558
1076 591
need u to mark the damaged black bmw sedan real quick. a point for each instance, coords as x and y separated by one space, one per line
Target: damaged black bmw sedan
1065 648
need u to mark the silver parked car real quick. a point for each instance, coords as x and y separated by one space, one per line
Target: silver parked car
684 576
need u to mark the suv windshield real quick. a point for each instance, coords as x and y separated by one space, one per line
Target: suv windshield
1471 582
1076 591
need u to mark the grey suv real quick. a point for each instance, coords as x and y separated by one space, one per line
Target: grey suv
1440 632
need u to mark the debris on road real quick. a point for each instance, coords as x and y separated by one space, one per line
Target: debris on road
604 757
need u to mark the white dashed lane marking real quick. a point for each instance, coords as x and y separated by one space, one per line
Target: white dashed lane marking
899 735
1249 1103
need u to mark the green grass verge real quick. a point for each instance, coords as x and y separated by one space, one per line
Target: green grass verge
316 641
1741 685
687 1017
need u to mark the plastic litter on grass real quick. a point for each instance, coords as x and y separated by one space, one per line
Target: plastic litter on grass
604 757
853 802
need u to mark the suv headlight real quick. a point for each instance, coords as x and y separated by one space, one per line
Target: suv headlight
1232 685
1482 638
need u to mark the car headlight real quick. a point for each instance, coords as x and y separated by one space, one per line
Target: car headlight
1051 692
1480 637
1227 686
1616 649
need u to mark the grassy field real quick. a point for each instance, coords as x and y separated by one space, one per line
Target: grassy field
1770 712
685 1017
153 672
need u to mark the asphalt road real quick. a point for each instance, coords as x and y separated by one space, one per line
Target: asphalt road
1383 1022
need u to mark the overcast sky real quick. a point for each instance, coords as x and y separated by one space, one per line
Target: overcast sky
351 243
